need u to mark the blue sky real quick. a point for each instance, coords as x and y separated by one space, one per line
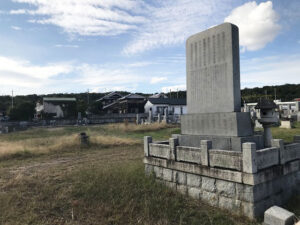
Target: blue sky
68 46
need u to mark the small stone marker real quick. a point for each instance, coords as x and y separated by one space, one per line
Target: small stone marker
159 118
84 139
138 119
278 216
150 117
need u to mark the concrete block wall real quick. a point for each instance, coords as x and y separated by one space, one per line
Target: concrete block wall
245 183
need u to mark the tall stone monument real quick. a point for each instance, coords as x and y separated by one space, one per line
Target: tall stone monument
213 90
217 158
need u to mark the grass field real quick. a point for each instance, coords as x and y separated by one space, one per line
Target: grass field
47 178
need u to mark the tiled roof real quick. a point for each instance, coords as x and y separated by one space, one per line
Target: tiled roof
49 99
168 101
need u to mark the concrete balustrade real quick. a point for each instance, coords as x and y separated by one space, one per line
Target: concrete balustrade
246 182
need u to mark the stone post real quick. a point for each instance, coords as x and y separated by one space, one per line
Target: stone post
138 119
249 157
278 143
165 119
297 106
297 138
206 145
289 109
173 144
150 117
158 118
147 141
267 135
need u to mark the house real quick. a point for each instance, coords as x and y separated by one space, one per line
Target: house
109 98
56 108
174 106
159 95
131 103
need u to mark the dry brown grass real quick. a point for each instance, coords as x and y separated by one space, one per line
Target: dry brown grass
108 141
141 127
63 143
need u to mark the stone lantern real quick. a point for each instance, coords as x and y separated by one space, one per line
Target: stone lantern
268 118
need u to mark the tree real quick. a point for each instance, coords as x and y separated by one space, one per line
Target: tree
22 111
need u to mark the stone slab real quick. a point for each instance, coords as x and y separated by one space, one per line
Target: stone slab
193 180
226 188
290 152
278 216
213 70
188 154
160 150
218 142
223 174
237 124
286 124
267 157
225 159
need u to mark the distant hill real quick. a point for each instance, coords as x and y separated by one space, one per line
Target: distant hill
286 92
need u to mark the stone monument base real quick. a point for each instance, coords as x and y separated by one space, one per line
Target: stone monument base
246 182
220 142
235 124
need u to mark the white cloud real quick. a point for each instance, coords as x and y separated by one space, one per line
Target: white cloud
275 70
180 87
66 46
25 78
25 68
257 24
16 28
18 11
172 21
28 78
155 80
153 25
113 88
86 17
95 75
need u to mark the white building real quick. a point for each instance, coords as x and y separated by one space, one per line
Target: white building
174 106
58 107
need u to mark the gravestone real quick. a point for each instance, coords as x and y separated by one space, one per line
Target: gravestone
158 118
150 117
138 119
213 90
213 71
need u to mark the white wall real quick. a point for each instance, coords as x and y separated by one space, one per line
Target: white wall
50 108
177 108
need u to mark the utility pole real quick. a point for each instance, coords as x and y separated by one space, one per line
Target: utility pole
177 92
275 95
266 93
88 97
12 99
